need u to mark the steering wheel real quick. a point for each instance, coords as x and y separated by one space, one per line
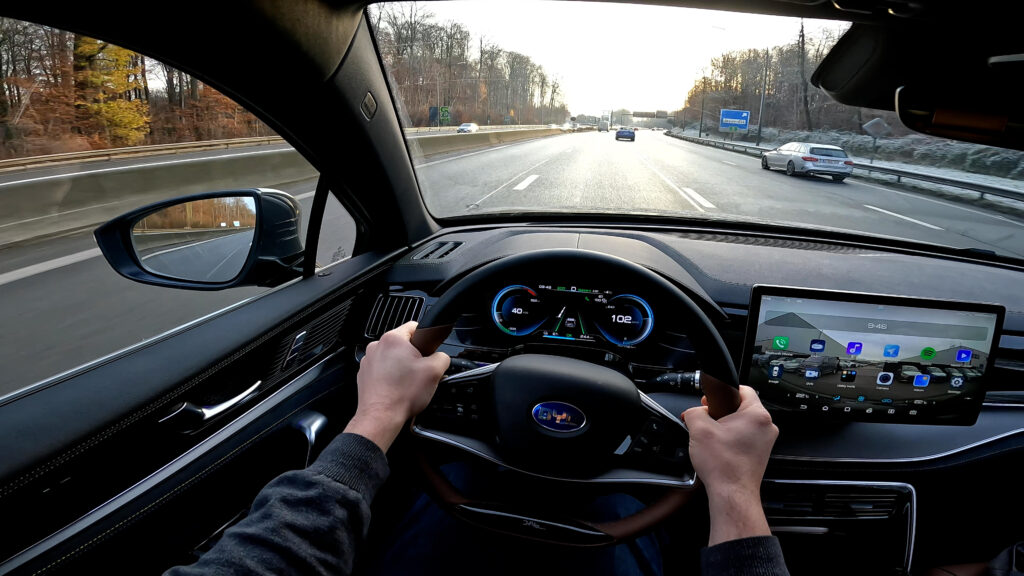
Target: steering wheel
561 419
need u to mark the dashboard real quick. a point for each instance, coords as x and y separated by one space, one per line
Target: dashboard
820 461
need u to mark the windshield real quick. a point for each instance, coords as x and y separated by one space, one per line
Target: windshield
686 113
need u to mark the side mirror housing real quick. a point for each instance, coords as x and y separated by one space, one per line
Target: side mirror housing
208 241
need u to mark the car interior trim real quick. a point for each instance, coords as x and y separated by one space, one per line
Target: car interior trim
116 503
925 458
883 485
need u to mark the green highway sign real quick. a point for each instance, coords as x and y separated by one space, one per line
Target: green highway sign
445 116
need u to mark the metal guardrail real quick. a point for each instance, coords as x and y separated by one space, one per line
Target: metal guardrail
449 129
21 164
899 173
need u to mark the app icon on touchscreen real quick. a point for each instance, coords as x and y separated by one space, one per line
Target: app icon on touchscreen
891 350
928 353
854 348
780 342
817 345
964 355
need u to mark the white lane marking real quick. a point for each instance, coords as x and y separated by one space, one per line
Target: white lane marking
21 273
919 197
148 256
131 166
441 161
27 220
305 195
247 246
514 178
526 182
729 163
679 190
907 218
703 201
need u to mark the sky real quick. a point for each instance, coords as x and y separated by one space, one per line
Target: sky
610 56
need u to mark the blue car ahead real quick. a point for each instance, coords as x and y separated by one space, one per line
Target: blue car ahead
625 134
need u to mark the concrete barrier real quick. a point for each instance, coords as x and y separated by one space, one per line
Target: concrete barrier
149 242
442 143
52 204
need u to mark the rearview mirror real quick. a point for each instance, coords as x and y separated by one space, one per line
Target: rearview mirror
983 112
208 241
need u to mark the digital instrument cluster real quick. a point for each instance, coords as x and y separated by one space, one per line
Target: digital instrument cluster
572 313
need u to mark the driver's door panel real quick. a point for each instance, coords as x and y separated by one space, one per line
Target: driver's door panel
78 488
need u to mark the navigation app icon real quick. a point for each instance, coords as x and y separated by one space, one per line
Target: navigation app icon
891 350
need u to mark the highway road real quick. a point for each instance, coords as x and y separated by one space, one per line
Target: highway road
62 306
664 175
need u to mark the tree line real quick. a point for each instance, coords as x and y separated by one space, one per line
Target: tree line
734 80
436 64
65 92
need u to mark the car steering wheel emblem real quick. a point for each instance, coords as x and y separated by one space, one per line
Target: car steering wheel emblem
559 416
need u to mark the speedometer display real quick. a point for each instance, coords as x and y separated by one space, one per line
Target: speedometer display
627 320
517 310
574 313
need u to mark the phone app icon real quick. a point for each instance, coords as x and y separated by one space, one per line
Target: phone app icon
854 348
775 371
964 355
817 345
891 350
884 379
847 375
928 353
780 342
922 380
812 374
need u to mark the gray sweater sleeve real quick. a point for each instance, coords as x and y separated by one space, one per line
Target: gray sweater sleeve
754 556
304 521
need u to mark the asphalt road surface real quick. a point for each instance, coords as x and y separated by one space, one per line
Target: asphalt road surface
210 260
61 305
657 173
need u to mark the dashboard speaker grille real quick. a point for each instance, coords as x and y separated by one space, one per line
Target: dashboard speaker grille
391 311
437 251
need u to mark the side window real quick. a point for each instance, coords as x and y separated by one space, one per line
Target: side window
88 131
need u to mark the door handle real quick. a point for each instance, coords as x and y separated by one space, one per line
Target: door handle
190 417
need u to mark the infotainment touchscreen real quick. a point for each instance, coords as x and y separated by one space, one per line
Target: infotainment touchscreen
869 357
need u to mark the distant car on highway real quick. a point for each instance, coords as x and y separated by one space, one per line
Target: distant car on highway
809 159
467 128
625 134
602 126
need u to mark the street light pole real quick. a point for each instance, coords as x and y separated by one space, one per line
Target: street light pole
703 95
760 110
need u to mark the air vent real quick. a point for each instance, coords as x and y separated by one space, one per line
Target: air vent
791 505
860 505
312 340
438 251
391 311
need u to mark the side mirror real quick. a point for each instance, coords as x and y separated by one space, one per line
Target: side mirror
208 241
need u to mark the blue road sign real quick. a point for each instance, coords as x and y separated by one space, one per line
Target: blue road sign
734 121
